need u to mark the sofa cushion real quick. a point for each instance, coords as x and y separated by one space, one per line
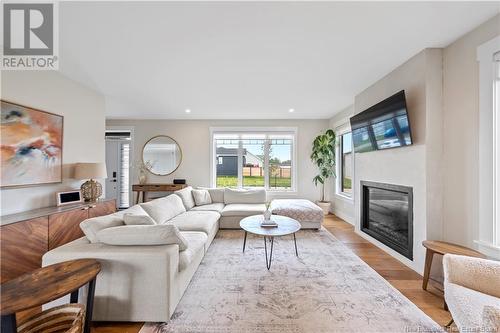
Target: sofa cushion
217 194
164 209
196 221
135 209
201 197
237 196
299 209
160 234
491 318
243 209
466 305
195 244
214 207
138 219
92 226
186 196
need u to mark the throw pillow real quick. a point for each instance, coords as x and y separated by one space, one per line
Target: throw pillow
202 197
92 226
160 234
244 196
186 196
164 209
216 194
135 219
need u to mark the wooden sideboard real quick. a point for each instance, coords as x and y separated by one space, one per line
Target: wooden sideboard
26 237
145 188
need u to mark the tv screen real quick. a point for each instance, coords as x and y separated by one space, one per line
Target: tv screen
382 126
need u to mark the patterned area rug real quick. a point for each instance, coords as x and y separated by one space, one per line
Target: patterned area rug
326 289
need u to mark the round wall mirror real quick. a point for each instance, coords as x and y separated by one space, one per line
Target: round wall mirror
161 155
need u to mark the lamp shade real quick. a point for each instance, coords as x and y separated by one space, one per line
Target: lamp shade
90 171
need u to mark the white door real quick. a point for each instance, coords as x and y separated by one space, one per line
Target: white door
113 168
118 167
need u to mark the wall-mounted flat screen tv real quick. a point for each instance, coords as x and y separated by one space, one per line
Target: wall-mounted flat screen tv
382 126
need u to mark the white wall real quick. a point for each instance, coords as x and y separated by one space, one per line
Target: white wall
341 206
407 166
442 166
461 134
84 124
193 137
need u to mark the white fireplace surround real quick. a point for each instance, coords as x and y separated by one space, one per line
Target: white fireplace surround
417 166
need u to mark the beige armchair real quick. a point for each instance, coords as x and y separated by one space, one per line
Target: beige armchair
472 292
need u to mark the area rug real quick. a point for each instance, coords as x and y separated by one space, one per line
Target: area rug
327 288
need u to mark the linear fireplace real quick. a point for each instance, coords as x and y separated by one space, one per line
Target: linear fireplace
387 215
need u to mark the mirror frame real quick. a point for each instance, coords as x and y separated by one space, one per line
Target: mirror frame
163 136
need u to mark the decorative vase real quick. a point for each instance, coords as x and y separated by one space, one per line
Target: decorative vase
143 178
91 190
267 215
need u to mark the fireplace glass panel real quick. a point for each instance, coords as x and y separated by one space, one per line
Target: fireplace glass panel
388 214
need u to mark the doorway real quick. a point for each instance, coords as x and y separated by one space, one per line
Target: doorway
118 157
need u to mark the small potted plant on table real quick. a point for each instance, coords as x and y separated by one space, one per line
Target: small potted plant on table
323 155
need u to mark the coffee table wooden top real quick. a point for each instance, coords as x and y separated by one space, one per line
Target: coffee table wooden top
46 284
445 248
286 225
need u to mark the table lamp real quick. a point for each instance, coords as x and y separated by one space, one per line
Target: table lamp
91 189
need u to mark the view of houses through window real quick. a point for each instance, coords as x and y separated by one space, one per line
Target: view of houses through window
254 160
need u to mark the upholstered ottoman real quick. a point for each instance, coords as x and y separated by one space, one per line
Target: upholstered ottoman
309 215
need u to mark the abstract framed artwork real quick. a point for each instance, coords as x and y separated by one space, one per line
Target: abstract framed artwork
31 143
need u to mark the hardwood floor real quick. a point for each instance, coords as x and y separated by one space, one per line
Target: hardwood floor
403 278
407 281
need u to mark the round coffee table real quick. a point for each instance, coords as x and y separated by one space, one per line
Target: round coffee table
286 226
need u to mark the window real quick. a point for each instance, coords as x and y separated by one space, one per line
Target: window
346 157
344 163
253 172
280 163
124 175
254 158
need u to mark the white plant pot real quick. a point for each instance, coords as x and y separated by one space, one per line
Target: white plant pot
325 205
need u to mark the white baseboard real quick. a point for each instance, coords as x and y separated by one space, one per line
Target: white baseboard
411 264
349 219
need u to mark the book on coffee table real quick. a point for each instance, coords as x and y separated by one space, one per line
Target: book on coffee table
269 224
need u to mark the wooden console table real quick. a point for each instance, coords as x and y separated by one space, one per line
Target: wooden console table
145 188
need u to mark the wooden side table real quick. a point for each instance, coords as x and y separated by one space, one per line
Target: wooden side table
45 285
443 248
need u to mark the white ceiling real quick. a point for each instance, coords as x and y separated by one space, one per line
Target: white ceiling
244 60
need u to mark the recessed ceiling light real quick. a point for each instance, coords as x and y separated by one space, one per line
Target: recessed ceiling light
188 111
291 110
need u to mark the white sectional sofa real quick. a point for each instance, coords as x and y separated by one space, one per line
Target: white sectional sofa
231 204
145 282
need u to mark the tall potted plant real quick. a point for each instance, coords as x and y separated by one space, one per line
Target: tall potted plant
323 155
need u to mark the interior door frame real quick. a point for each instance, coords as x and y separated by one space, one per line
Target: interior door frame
131 156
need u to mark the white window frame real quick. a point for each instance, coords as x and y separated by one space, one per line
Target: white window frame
255 130
339 131
488 231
